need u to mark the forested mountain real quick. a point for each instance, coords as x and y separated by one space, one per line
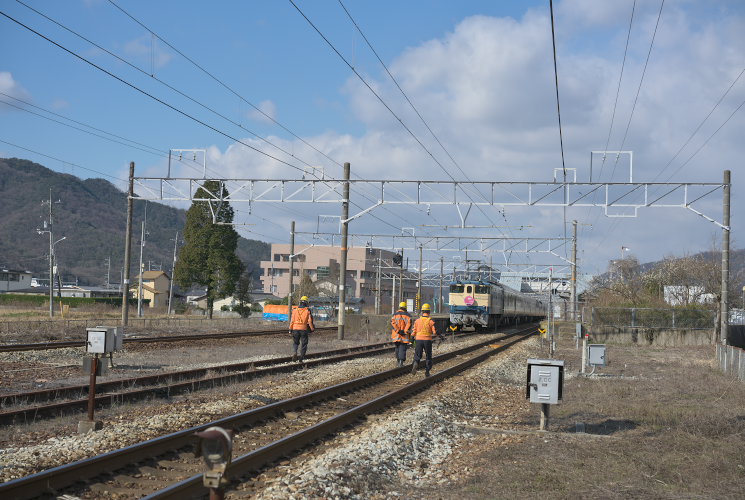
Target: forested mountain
91 216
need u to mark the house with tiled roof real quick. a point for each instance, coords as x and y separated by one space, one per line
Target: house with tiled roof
155 287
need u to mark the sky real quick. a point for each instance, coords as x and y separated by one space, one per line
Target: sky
267 94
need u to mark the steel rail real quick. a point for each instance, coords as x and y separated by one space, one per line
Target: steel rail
61 344
241 373
261 457
63 476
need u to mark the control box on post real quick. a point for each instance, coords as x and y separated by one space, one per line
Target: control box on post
102 339
596 355
545 381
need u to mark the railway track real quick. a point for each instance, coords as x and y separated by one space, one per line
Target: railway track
163 385
165 467
30 406
61 344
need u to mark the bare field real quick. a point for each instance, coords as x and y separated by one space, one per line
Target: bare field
658 422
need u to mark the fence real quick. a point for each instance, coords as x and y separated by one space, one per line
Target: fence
731 360
691 319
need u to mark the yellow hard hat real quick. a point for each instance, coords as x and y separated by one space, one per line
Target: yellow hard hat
425 307
304 297
402 305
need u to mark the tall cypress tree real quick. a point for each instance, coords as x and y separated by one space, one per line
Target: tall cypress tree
208 256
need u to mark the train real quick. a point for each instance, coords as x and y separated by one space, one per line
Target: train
486 304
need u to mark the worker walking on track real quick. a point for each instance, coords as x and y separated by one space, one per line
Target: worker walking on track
401 333
424 330
300 325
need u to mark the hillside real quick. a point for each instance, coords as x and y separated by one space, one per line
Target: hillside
91 216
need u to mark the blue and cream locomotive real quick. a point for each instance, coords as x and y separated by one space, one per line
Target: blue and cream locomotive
488 304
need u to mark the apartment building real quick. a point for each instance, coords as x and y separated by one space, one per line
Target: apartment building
321 264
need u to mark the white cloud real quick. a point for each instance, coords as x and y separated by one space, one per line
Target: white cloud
9 86
487 90
144 48
266 113
60 104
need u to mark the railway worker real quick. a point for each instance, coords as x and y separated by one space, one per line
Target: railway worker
424 330
300 325
401 333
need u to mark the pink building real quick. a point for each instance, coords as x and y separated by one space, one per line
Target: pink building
322 265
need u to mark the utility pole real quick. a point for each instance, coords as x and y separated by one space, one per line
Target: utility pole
550 313
127 247
401 278
573 290
419 281
343 260
108 271
48 229
441 302
378 293
292 270
393 293
173 270
724 309
139 286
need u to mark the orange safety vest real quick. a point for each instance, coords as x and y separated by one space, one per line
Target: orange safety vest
401 323
302 319
424 328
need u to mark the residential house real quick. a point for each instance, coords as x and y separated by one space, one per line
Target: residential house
155 287
12 279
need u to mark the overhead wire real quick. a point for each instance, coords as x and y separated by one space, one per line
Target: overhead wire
418 113
701 124
631 116
161 101
234 92
382 101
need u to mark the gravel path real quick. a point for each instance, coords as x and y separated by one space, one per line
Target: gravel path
29 449
406 453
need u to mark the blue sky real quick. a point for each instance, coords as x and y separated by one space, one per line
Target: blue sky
480 72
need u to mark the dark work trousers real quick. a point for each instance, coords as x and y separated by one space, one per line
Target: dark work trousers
426 346
300 337
400 350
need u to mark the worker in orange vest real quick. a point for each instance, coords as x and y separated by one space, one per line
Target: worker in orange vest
300 325
424 330
401 323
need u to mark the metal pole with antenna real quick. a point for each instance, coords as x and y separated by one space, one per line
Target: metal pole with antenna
127 247
344 251
173 269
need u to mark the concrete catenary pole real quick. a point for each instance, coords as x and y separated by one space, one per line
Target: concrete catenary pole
419 281
139 285
292 270
173 269
573 289
401 278
343 259
377 283
127 247
51 259
724 309
441 302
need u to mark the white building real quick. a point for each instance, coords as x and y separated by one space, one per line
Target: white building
11 279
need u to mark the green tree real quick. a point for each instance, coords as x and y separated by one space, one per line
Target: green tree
306 287
243 293
208 256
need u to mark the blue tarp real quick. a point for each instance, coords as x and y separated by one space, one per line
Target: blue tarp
275 317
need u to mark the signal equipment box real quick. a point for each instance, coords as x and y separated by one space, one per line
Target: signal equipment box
545 381
103 339
596 355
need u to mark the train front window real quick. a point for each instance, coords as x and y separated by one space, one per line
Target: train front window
482 288
469 289
456 288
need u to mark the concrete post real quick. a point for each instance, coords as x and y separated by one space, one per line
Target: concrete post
378 292
292 270
127 246
419 281
724 306
573 289
441 302
343 260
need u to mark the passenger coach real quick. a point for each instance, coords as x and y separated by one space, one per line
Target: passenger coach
488 304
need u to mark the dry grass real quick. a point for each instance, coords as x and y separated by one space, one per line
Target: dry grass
664 423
